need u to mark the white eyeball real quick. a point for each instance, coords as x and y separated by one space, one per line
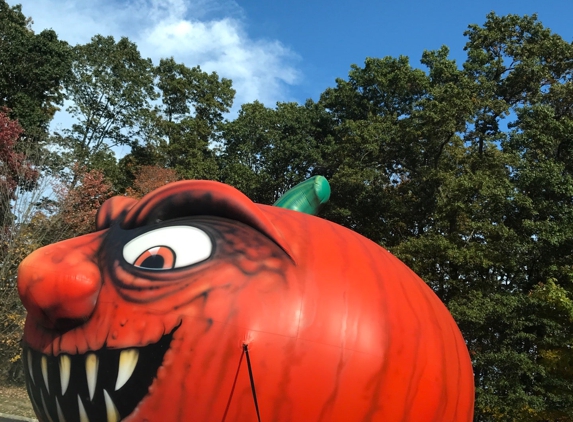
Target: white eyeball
168 247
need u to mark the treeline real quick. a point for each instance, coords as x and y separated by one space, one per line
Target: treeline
463 170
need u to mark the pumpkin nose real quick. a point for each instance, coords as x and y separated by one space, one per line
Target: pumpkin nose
59 284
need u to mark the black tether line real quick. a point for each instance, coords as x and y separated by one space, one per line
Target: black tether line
233 388
246 350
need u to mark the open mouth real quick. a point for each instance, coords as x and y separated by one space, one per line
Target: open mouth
101 385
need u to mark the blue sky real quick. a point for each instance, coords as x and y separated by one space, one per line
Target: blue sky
284 50
331 35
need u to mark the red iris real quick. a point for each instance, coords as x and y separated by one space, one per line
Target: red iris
156 258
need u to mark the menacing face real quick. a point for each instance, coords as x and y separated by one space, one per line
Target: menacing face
196 304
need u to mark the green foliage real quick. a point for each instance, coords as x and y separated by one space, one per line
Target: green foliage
267 151
194 102
109 86
181 133
32 68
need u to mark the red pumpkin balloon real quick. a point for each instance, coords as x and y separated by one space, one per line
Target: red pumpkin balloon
195 304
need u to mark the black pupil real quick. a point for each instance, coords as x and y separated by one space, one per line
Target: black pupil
154 261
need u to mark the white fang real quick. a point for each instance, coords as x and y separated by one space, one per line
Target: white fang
111 410
45 372
46 408
60 413
65 369
83 414
127 361
92 363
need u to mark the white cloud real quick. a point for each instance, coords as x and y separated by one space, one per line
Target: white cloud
209 33
259 69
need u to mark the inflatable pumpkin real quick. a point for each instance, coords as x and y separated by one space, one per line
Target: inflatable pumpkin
195 304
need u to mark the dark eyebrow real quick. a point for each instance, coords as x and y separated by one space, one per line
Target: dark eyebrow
200 197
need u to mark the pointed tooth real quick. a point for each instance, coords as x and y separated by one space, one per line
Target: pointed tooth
82 410
127 361
92 363
30 366
60 413
46 408
111 410
45 372
65 370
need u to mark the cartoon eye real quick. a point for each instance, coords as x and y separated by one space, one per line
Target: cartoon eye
168 247
157 258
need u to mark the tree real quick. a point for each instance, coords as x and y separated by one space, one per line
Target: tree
268 151
376 152
78 205
183 131
149 178
150 154
16 172
110 87
32 70
194 103
528 71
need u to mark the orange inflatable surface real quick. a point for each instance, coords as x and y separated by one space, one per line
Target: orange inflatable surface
195 304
